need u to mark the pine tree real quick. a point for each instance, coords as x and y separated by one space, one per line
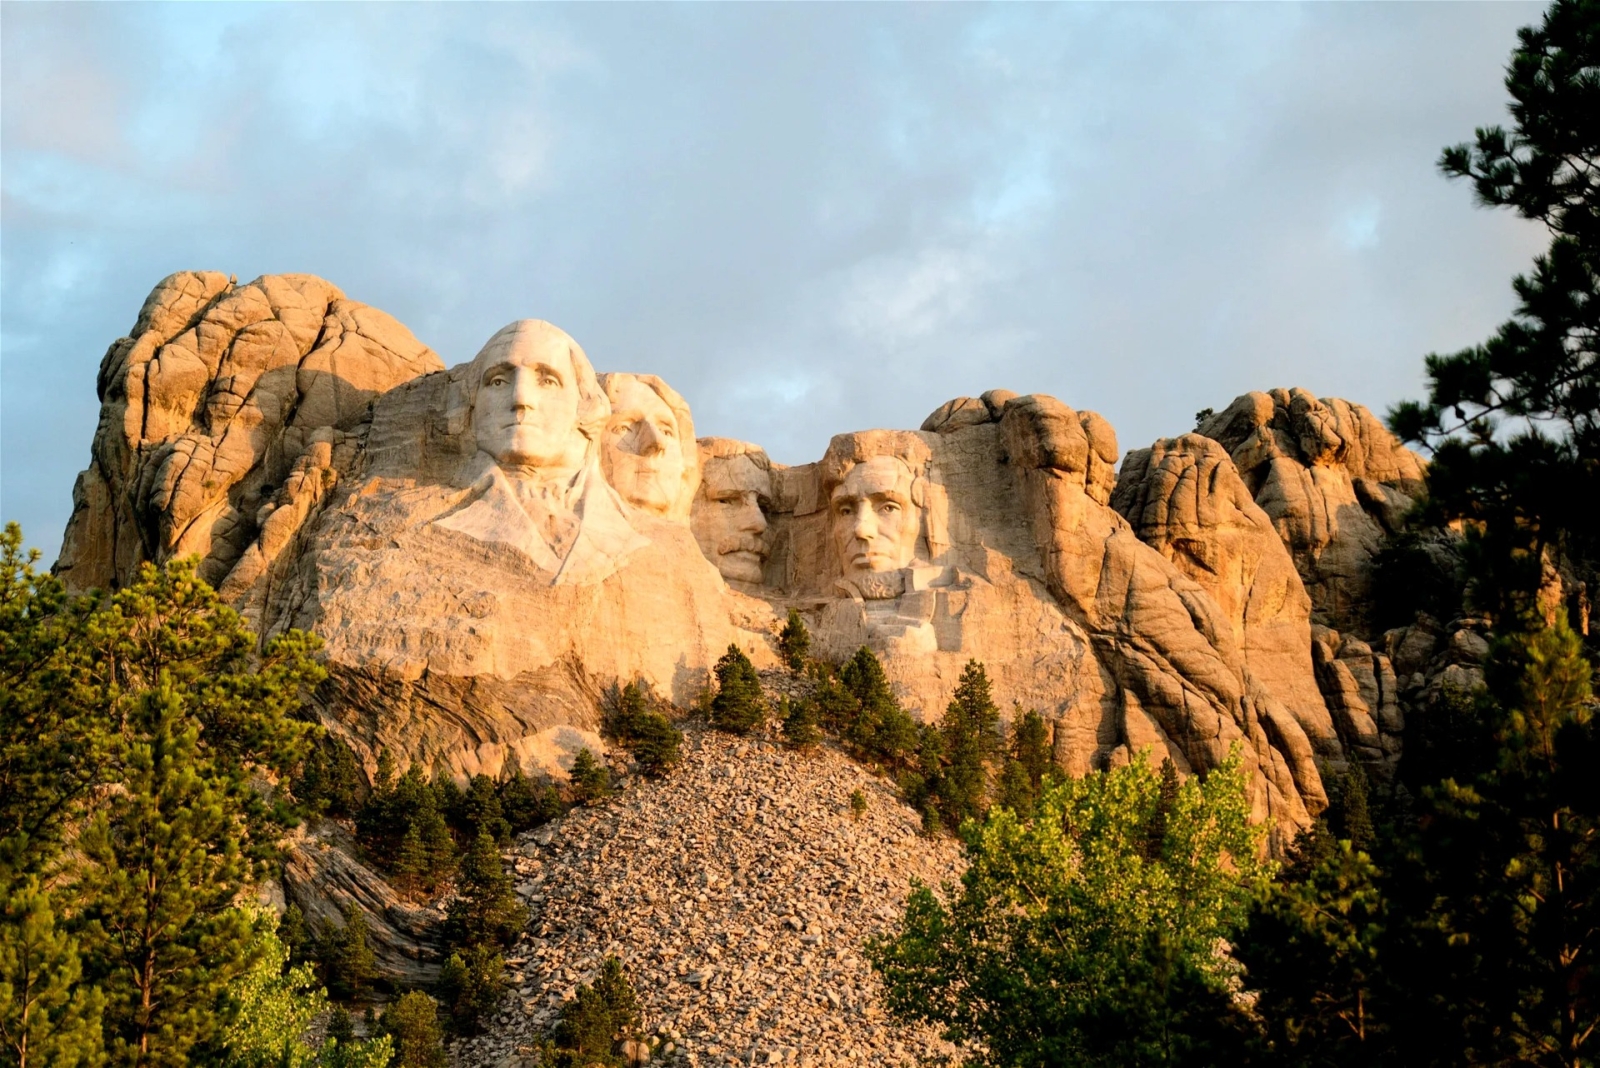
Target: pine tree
412 865
626 709
165 864
472 985
1354 812
485 910
48 1017
794 642
1166 798
739 705
479 810
800 730
590 779
1016 792
836 710
596 1014
1534 488
412 1023
656 744
526 803
971 737
347 962
1030 745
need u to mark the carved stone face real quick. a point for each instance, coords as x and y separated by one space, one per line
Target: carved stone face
642 452
730 520
875 523
526 411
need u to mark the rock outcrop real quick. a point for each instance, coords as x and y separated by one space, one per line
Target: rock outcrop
1334 481
484 549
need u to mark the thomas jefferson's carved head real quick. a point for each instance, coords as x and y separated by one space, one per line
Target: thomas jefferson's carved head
535 402
730 511
648 449
875 485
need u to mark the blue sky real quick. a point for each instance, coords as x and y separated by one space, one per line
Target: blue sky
808 218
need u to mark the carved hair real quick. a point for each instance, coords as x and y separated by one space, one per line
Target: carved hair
845 451
593 407
730 448
679 407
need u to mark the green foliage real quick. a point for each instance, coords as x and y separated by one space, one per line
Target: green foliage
528 803
739 705
971 736
1068 942
269 1013
163 865
472 985
47 1016
479 812
1016 792
657 744
485 910
1539 377
329 781
590 779
1028 759
800 730
835 709
344 958
880 728
794 642
403 830
597 1017
858 803
624 708
411 1022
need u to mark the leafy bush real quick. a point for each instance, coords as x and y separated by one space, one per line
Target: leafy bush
800 730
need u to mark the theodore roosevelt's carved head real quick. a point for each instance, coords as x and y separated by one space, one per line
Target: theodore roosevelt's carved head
648 449
875 486
730 511
536 405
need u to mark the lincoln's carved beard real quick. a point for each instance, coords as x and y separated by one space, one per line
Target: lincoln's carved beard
879 585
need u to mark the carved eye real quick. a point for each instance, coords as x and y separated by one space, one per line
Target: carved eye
846 509
888 507
665 431
497 380
549 380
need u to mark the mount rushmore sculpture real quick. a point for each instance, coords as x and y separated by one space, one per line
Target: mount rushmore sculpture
485 548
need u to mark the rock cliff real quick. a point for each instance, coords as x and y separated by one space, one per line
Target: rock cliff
484 548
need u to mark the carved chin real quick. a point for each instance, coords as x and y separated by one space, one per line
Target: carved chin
741 566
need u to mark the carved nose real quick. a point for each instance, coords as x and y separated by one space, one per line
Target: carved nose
523 393
755 521
866 527
648 438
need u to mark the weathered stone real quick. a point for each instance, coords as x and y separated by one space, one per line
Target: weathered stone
1334 481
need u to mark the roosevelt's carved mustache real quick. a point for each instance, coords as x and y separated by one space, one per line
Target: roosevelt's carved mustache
742 545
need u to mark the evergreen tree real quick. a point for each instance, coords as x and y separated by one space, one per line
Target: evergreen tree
1030 745
625 710
800 729
329 780
595 1015
1016 792
485 910
656 744
479 811
836 710
411 1022
347 962
794 642
1166 799
1534 488
590 779
412 864
739 705
527 803
472 985
1354 810
164 864
48 1017
971 736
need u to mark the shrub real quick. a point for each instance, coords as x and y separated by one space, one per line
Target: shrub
590 779
739 705
472 984
625 708
794 642
412 1022
479 811
329 781
858 803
